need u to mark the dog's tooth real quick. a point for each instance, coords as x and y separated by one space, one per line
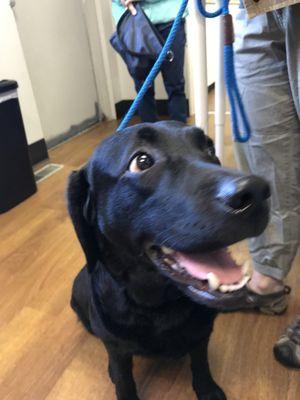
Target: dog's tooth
176 267
237 286
167 250
240 284
168 262
233 287
213 281
245 280
223 288
230 288
246 268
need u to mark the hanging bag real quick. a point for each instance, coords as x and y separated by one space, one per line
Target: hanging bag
138 42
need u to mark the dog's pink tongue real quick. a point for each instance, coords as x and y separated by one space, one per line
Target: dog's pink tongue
219 262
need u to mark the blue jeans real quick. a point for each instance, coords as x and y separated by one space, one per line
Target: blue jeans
173 77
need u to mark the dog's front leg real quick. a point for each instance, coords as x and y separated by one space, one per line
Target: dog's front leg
120 372
203 383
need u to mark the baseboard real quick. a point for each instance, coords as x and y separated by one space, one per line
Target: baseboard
77 129
161 105
38 151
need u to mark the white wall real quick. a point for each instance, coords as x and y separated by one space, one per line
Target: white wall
98 27
55 43
13 66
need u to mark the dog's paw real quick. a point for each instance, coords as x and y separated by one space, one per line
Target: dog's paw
215 394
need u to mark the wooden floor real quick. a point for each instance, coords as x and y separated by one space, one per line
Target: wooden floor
45 352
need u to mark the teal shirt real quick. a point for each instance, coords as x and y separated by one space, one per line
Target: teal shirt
158 11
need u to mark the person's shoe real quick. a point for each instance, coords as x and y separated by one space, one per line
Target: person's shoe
245 298
287 349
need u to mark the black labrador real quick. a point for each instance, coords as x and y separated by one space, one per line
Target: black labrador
154 212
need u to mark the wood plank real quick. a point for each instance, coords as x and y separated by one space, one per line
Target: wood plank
41 357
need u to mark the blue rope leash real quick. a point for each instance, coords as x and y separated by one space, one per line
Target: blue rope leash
233 92
229 71
230 78
207 14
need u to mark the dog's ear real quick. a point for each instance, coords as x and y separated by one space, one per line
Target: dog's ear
202 141
83 214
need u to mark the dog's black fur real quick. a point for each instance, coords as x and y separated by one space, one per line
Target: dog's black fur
121 296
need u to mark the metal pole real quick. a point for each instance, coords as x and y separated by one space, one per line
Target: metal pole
199 65
220 93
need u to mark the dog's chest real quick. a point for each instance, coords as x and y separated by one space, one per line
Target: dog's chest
172 332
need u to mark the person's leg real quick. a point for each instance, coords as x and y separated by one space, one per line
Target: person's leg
274 148
287 348
147 107
173 75
291 17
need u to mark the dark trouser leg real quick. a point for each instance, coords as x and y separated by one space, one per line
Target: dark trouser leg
173 76
203 383
147 106
120 372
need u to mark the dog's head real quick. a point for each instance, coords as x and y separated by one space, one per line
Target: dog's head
156 193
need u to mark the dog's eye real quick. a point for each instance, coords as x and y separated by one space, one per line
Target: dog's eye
141 162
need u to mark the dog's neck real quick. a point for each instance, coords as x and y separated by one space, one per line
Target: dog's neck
134 273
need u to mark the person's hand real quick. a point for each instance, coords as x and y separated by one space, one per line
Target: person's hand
128 4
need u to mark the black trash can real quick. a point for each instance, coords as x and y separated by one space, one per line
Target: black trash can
16 174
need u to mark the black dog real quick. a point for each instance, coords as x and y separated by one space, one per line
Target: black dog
154 212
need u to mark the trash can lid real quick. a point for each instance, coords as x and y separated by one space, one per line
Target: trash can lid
7 86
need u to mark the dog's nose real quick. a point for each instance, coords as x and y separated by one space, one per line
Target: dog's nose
240 194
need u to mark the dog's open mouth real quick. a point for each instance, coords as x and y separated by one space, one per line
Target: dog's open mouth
210 274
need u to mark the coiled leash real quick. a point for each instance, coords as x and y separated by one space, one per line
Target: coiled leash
233 93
